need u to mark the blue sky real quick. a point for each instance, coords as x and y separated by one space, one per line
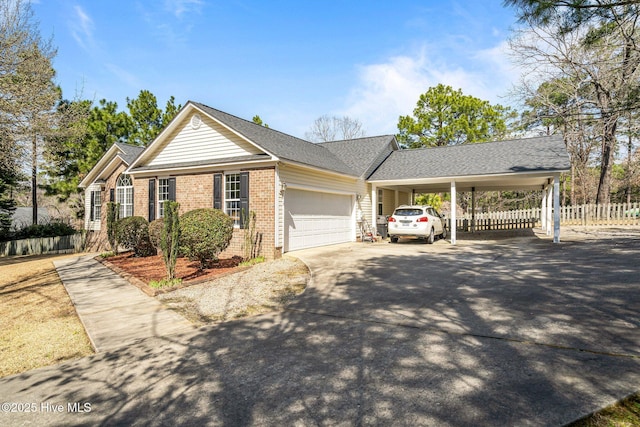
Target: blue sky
287 61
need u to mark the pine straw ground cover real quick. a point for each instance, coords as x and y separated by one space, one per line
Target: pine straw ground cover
151 268
38 323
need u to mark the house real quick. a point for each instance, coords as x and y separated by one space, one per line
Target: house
303 194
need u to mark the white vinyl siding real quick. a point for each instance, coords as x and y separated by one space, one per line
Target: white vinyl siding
208 142
388 202
88 223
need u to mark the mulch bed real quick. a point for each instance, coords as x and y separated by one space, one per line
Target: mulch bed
141 270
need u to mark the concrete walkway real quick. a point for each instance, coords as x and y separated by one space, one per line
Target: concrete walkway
114 312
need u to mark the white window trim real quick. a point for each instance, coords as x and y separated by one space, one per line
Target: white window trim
159 203
124 189
98 216
236 224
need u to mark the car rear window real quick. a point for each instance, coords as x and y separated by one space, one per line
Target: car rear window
408 212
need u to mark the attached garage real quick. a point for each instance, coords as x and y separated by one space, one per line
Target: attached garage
313 218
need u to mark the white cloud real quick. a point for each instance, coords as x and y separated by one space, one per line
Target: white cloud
180 7
391 88
124 76
82 29
386 91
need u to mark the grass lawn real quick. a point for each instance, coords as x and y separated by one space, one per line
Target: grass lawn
623 414
38 323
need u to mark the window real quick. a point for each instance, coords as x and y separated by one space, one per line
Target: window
124 195
232 197
96 205
163 195
380 195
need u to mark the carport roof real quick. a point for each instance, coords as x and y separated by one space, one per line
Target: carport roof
517 163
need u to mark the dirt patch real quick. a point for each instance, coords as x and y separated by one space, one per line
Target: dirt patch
39 323
223 292
264 287
151 268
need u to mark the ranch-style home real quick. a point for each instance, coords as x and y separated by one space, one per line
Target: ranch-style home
304 194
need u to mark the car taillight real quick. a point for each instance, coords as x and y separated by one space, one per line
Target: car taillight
423 219
392 219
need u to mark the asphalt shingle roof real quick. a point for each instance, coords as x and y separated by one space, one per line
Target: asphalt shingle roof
129 152
283 146
490 158
363 155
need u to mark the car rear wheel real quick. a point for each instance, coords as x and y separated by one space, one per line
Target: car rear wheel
394 239
431 237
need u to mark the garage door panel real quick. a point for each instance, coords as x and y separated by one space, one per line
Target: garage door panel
317 219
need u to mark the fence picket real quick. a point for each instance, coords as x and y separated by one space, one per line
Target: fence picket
586 214
45 245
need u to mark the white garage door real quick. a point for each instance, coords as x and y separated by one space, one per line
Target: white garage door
316 219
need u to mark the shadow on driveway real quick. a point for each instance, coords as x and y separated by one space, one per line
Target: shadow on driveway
507 333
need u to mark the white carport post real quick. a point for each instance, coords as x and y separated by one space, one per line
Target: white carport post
556 209
550 195
543 209
453 212
374 212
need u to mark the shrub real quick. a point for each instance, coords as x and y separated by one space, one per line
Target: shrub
51 229
113 215
204 233
155 232
133 233
170 238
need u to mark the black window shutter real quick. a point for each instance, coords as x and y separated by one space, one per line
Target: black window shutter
152 199
92 209
244 198
112 195
172 189
217 191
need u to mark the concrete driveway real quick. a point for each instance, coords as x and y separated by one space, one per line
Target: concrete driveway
514 332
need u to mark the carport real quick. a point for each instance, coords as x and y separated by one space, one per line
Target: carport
518 164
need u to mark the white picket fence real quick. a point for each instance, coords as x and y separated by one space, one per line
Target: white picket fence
44 245
589 214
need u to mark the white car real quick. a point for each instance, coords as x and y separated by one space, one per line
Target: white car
423 222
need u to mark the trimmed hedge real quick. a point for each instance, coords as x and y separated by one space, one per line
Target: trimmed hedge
133 233
51 229
204 233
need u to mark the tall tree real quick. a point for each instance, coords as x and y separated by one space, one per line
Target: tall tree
257 120
28 93
330 128
91 131
561 106
444 116
148 119
9 176
592 41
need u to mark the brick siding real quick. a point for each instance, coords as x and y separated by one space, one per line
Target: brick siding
195 191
